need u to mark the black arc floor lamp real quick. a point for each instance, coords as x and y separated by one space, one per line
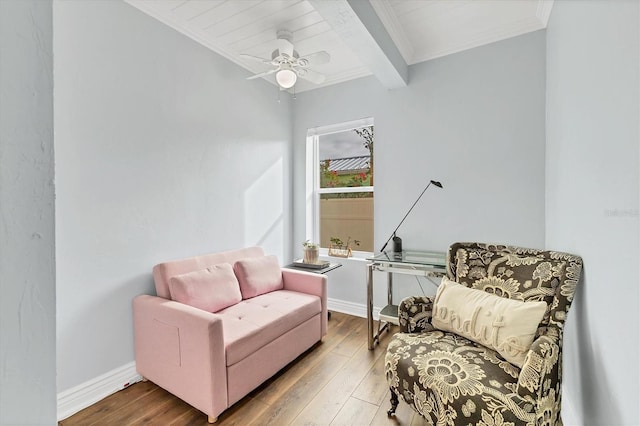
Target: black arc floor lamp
397 241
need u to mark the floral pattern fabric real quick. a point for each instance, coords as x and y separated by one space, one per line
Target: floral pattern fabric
450 380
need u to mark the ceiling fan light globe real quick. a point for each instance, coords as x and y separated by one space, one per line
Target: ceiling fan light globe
286 78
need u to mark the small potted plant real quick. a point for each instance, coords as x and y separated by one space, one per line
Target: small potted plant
339 248
311 252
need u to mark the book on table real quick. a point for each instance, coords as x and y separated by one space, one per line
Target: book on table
315 265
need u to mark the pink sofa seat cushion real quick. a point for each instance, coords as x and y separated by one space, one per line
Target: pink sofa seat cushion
253 323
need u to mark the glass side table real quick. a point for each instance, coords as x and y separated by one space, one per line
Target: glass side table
430 264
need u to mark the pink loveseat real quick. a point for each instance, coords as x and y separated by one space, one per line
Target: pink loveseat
213 359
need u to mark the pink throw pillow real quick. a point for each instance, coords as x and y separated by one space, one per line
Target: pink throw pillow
211 289
258 275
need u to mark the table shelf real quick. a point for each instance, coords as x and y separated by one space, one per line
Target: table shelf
389 314
429 264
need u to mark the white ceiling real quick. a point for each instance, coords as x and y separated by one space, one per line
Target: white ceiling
412 31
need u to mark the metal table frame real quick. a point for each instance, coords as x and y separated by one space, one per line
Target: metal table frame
421 263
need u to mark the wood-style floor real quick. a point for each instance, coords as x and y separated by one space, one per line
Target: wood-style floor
337 382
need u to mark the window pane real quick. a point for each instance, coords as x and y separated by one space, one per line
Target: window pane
346 158
348 217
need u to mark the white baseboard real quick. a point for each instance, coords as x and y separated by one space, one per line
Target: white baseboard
355 309
85 394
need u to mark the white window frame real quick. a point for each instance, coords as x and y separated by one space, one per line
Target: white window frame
312 187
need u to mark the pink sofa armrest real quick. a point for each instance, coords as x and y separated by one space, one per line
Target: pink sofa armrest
309 283
181 348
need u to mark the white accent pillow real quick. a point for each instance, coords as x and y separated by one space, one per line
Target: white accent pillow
505 325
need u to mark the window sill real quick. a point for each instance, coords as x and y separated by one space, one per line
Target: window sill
358 256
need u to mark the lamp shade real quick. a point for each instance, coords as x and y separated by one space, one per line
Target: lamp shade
286 78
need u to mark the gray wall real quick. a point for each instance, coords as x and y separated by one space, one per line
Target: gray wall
163 151
27 265
473 120
592 200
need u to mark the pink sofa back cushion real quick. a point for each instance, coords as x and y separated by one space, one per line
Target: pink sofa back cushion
163 272
258 275
211 289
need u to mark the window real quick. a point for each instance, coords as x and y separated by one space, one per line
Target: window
340 184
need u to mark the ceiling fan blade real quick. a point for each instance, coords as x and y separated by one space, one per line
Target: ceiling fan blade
317 58
312 76
262 74
256 58
285 47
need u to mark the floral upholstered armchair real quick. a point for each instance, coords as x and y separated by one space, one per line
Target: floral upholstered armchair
454 380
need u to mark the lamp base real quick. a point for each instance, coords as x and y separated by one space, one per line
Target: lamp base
397 245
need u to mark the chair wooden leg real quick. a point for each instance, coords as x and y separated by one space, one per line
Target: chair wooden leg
394 403
212 419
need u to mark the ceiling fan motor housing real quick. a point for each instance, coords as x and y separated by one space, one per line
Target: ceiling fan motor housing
278 58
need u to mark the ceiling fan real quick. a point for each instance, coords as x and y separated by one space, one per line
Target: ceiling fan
289 65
